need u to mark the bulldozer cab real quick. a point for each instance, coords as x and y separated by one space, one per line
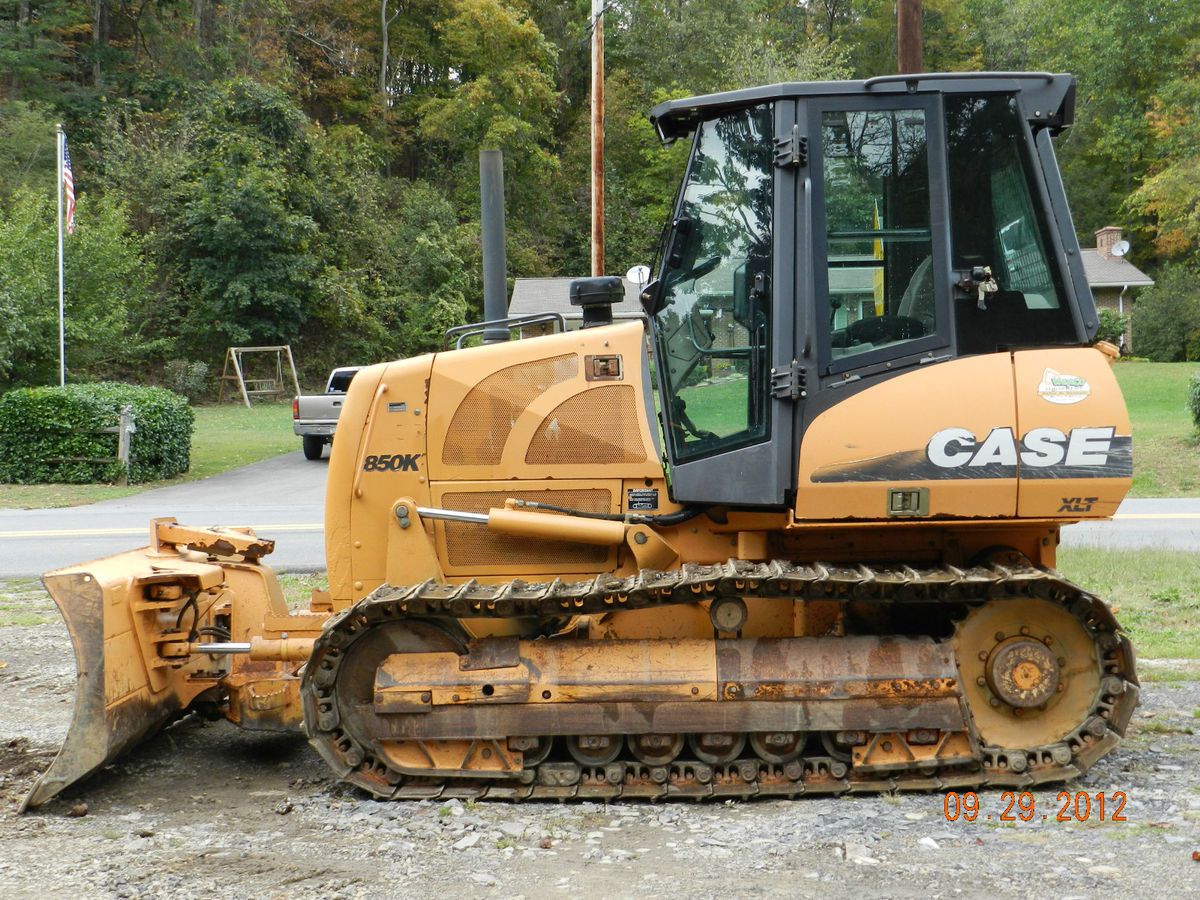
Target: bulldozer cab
830 236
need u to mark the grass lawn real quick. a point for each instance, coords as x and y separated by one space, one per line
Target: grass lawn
1154 593
1166 450
719 406
23 601
226 437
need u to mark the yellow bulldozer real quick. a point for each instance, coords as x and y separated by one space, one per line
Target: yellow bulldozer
792 532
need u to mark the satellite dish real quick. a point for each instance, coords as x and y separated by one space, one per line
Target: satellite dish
1120 248
639 275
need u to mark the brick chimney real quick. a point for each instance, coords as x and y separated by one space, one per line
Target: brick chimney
1106 239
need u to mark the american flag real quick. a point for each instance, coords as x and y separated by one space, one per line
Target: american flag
68 187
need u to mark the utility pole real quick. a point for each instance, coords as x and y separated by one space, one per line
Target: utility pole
908 36
598 137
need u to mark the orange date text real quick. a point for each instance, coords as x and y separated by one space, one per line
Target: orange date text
1077 806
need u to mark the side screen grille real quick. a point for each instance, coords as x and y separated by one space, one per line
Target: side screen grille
485 418
597 426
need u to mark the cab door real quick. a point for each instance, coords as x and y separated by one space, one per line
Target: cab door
724 326
891 410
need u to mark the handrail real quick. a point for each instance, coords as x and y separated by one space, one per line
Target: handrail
462 332
913 77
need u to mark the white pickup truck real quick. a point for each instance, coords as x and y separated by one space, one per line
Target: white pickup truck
314 416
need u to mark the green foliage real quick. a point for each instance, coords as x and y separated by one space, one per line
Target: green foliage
1124 54
503 96
390 292
32 45
27 152
243 219
107 283
1166 317
1112 326
52 434
1194 399
191 380
642 180
306 172
1170 196
269 229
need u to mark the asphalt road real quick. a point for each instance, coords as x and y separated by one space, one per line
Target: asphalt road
1169 524
284 499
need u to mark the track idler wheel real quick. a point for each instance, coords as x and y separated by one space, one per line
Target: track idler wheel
339 689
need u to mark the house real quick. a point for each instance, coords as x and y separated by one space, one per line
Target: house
1112 277
553 295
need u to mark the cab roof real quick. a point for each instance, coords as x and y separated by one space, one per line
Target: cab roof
1048 99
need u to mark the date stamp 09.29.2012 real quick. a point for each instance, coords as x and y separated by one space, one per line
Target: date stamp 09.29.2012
1013 806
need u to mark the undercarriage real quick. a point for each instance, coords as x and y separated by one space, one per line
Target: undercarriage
1025 679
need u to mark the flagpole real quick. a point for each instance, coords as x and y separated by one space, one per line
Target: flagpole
62 343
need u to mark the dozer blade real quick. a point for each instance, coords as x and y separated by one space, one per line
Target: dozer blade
125 690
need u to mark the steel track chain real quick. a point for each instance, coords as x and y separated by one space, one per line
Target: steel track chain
1096 735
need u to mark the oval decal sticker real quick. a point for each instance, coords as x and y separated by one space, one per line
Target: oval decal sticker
1057 387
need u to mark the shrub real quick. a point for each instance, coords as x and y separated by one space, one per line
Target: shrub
1112 327
1166 317
187 378
53 434
1194 399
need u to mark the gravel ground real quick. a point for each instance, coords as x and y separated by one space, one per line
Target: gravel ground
206 810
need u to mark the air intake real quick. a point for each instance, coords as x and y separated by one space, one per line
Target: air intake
596 296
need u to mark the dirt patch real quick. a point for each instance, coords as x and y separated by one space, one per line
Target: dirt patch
20 762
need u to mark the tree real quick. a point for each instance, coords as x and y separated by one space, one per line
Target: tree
32 50
107 284
397 268
27 152
1123 54
502 96
240 221
1170 197
1166 317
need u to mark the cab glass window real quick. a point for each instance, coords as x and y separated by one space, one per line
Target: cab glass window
879 249
997 224
713 321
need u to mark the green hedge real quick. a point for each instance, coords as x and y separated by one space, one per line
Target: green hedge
47 434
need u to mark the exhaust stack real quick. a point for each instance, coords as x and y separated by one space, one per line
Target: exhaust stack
495 284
